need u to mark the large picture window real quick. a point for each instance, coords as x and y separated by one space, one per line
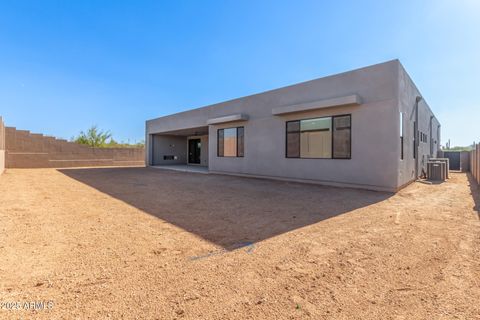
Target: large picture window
231 142
319 138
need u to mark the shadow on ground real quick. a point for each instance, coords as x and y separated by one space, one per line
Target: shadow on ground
225 210
475 191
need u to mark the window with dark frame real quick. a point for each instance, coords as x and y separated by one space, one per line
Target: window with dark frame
240 141
220 143
401 135
319 138
293 139
342 135
231 142
414 140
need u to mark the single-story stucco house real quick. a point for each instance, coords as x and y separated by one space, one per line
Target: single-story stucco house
367 128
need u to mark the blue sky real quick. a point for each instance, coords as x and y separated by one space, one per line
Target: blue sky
66 65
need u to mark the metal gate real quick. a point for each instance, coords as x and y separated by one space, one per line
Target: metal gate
454 157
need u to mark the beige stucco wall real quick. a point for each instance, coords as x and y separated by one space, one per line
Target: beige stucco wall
406 104
375 129
168 145
371 166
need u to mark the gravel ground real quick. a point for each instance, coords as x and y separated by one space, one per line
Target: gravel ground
143 243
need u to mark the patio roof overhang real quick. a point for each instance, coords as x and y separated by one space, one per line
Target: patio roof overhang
196 131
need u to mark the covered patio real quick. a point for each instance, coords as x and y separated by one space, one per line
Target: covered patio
181 150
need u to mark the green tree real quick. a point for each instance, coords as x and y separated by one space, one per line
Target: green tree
94 137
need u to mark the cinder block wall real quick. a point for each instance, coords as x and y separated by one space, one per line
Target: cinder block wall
30 150
465 161
2 146
475 162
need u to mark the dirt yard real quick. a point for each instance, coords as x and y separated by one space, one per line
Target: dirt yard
142 243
